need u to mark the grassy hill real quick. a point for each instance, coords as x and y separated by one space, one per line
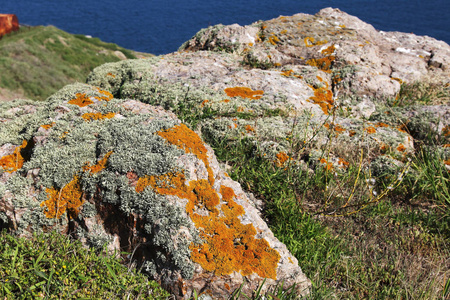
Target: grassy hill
37 61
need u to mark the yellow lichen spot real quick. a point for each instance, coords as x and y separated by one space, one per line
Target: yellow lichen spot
283 31
81 100
100 165
48 126
69 199
323 64
186 139
287 73
309 41
323 97
274 40
107 95
244 92
290 260
370 129
97 116
342 26
397 79
329 51
13 162
381 124
250 44
281 158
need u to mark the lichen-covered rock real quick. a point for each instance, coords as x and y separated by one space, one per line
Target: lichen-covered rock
131 176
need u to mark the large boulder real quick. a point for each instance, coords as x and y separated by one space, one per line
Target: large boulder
131 176
8 23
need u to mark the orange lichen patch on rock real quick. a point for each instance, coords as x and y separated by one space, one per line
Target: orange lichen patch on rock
336 127
225 100
100 165
81 100
282 157
343 162
69 199
107 95
402 128
249 128
244 92
240 109
231 246
401 148
97 116
228 244
381 124
186 139
446 146
370 129
111 74
310 41
351 133
48 126
287 73
234 125
204 103
328 165
283 31
274 40
323 97
446 130
323 64
329 51
13 162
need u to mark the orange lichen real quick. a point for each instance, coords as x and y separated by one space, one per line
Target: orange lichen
81 100
204 102
13 162
401 148
249 128
447 162
100 165
343 162
370 129
48 126
381 124
111 74
97 116
351 133
274 40
336 127
186 139
240 109
227 287
228 244
310 42
69 199
446 146
244 92
282 157
328 165
446 130
323 64
323 97
329 51
287 73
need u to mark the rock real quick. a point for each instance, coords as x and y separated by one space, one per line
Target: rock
8 23
131 176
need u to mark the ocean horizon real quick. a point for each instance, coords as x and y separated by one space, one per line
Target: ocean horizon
161 26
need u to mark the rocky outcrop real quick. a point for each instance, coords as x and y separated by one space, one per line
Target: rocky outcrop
8 23
131 176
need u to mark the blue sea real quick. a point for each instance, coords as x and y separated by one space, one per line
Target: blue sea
161 26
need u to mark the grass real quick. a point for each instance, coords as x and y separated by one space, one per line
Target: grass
38 61
51 266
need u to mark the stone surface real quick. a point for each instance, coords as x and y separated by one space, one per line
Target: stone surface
133 177
8 23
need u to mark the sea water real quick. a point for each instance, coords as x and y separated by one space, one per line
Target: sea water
161 26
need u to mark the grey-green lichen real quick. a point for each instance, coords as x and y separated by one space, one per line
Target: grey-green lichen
70 144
